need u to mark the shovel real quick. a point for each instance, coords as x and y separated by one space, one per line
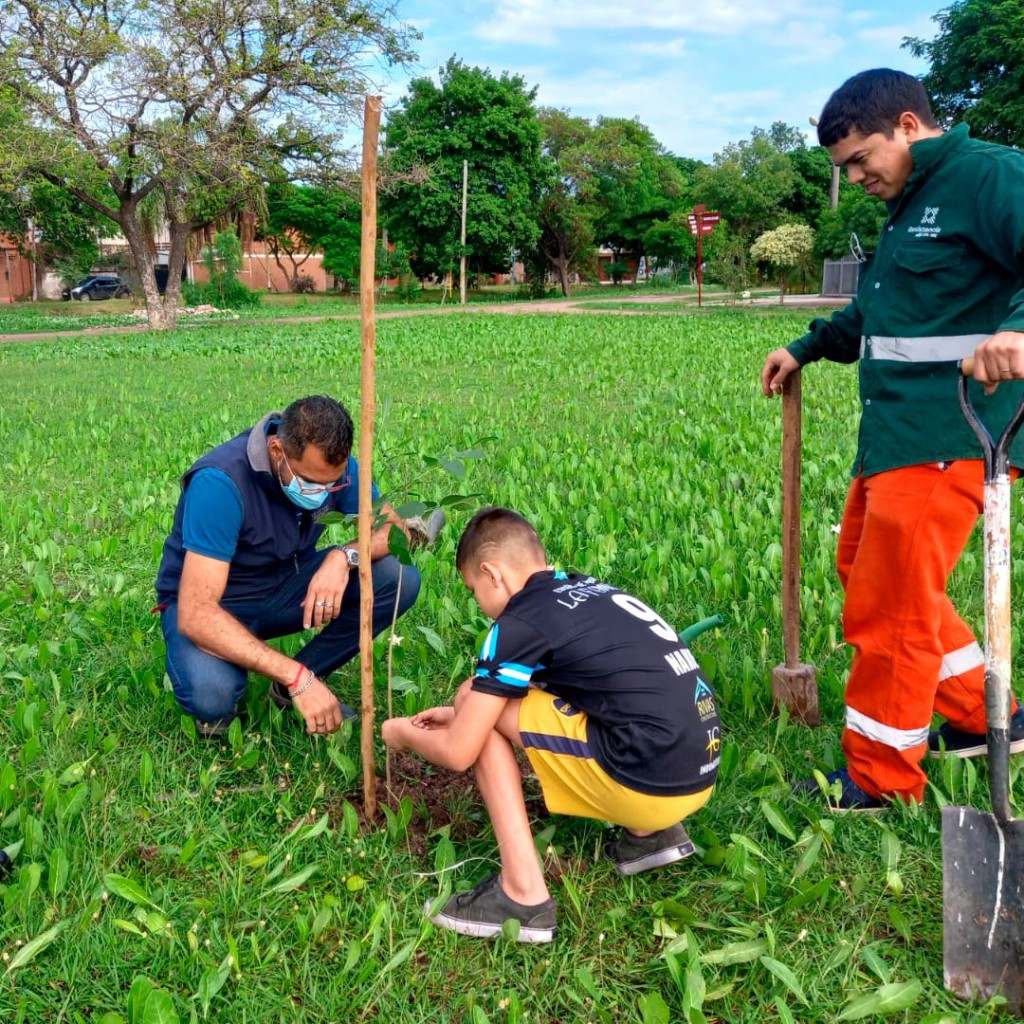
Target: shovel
982 853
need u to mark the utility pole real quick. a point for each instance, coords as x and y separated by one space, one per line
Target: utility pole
462 252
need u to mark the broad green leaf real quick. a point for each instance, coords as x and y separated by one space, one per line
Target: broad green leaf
137 996
809 857
354 883
654 1009
307 832
736 952
295 881
32 949
886 1000
128 890
776 817
404 952
786 976
159 1009
74 773
432 638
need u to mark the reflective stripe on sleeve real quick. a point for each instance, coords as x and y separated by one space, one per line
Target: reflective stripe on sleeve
898 739
957 662
935 349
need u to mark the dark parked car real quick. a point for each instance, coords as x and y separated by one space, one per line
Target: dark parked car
99 286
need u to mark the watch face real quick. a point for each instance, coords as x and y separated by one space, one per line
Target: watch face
352 555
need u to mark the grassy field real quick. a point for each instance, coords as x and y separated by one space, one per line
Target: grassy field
238 877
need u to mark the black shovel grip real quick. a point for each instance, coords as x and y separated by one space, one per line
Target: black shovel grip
995 453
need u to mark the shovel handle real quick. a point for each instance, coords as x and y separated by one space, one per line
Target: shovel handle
995 453
998 688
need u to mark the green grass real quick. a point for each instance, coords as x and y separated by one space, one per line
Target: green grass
641 459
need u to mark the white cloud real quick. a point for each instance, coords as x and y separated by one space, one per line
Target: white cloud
541 23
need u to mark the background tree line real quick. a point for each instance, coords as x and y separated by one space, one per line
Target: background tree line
124 115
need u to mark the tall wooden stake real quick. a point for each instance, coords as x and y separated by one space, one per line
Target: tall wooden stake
367 280
462 254
793 684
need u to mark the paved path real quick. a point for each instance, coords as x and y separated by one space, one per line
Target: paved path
553 306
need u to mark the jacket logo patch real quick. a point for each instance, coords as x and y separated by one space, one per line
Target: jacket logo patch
930 213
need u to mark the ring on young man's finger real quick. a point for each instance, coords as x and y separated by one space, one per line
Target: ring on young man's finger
319 604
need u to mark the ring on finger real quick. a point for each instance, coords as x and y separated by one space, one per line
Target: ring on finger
319 604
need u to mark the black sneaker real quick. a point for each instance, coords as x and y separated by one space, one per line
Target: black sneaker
632 854
949 739
852 799
484 910
279 695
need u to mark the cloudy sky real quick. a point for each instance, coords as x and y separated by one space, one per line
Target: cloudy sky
698 73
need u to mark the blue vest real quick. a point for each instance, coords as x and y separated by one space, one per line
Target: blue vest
276 536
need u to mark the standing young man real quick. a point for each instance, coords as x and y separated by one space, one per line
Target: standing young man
241 566
946 281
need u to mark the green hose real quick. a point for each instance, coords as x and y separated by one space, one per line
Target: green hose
692 632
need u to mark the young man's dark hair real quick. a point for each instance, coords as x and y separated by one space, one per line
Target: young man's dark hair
493 528
871 102
320 421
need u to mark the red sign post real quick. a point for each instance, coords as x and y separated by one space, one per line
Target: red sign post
702 222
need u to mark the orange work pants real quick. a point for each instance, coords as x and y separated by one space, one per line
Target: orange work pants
903 532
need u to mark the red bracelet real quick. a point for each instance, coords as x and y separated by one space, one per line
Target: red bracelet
295 681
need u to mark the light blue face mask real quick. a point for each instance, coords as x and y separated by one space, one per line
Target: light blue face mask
297 497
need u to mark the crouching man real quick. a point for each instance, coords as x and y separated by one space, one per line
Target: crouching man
241 566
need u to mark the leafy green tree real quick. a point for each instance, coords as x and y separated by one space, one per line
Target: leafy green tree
977 67
857 213
788 247
637 183
305 219
492 124
65 232
749 183
197 102
566 209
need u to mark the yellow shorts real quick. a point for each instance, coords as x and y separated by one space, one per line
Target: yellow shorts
554 737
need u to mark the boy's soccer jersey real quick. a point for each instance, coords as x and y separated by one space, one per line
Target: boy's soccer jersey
652 717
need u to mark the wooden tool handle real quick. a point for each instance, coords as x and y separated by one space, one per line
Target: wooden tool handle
967 366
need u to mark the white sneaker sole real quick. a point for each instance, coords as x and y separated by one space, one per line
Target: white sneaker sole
980 750
658 859
486 930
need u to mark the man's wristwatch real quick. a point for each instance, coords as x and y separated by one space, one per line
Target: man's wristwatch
351 556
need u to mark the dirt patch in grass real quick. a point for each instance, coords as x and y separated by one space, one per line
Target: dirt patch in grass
439 797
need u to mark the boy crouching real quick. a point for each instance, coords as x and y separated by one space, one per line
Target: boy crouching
606 700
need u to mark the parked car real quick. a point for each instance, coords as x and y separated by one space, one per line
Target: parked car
99 286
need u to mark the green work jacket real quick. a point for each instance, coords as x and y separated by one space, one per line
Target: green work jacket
948 271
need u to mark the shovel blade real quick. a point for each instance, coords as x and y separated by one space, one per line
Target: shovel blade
983 906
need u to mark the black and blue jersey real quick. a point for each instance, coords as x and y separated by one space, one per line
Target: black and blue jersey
652 716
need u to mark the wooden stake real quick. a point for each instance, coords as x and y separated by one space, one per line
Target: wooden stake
793 684
367 280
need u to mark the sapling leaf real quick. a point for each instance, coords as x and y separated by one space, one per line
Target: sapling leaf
137 996
57 871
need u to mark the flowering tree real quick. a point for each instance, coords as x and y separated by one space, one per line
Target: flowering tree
786 248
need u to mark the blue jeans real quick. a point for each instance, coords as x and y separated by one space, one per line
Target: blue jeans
208 688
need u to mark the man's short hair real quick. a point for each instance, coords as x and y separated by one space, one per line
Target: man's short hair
320 421
872 102
494 531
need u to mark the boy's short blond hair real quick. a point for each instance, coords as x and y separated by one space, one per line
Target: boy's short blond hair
494 532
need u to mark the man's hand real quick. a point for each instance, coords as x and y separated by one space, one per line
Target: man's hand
1000 357
319 707
777 367
326 589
